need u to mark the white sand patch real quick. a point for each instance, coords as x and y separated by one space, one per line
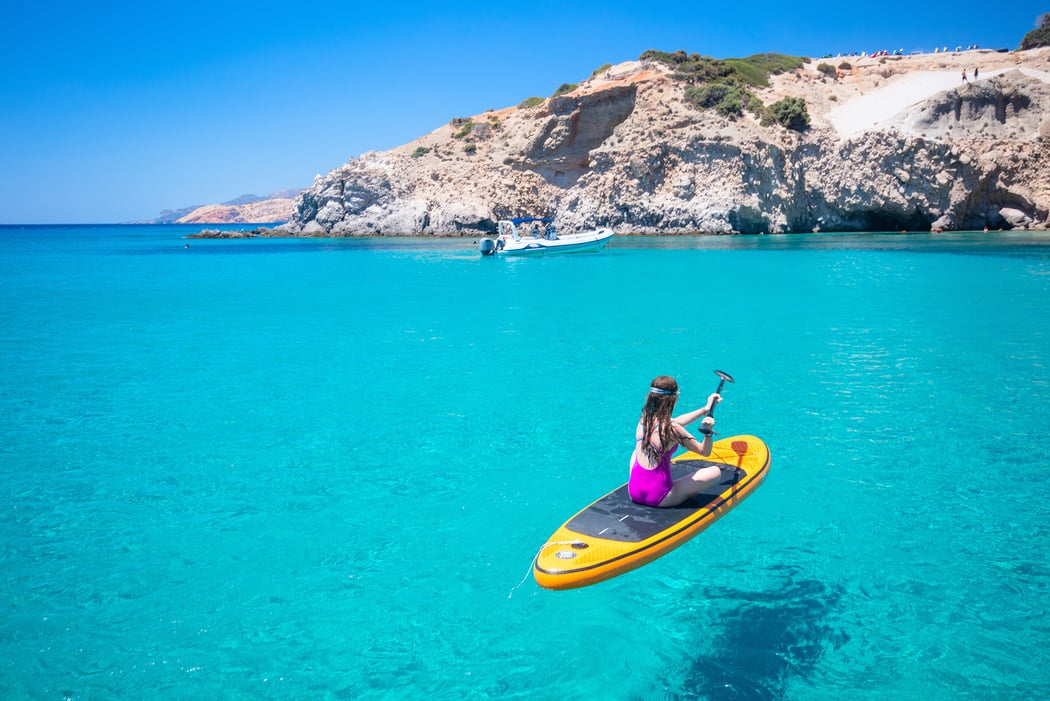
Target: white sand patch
1041 75
864 112
870 111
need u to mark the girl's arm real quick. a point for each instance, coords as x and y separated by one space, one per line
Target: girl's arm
689 442
686 419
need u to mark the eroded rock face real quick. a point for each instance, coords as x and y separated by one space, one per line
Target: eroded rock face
625 150
1010 106
561 152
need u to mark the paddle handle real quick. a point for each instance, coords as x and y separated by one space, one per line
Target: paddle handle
717 391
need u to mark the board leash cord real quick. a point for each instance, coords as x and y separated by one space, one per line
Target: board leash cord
536 557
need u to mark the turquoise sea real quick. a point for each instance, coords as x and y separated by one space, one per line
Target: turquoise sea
320 469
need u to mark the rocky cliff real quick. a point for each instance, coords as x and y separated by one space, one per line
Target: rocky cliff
895 142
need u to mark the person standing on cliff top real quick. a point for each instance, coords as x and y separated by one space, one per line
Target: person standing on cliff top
964 75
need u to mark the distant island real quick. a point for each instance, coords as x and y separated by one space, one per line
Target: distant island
246 209
678 143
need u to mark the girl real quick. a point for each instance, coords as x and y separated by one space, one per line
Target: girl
657 437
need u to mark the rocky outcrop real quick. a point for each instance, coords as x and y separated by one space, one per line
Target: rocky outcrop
231 234
1008 106
626 150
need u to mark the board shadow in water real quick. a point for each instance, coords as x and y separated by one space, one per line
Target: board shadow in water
767 639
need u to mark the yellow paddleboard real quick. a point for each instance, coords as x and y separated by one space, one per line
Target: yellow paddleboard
615 535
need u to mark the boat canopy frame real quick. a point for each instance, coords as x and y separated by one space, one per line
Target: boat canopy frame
515 222
525 220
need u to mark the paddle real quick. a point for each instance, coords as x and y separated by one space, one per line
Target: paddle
726 377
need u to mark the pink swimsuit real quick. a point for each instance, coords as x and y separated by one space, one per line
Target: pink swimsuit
649 487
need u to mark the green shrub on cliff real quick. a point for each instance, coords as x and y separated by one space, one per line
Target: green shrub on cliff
465 124
531 102
723 85
755 105
758 67
751 71
790 112
728 100
565 88
1038 37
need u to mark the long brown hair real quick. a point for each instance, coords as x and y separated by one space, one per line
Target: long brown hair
656 414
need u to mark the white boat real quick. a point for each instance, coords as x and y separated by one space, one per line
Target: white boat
537 236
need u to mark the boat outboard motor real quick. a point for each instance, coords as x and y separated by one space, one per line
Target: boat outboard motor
488 247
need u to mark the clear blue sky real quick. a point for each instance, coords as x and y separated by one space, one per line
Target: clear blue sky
113 111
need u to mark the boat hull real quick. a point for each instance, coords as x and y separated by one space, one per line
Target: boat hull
572 243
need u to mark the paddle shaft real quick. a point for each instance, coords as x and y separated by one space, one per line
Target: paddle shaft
724 376
717 391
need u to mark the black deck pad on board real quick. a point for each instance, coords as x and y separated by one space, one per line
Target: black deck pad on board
616 517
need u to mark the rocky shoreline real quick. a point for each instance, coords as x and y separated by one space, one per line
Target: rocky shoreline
279 233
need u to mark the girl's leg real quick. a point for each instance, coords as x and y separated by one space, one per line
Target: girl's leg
685 487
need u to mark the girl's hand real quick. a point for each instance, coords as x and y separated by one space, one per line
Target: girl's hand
706 424
712 401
